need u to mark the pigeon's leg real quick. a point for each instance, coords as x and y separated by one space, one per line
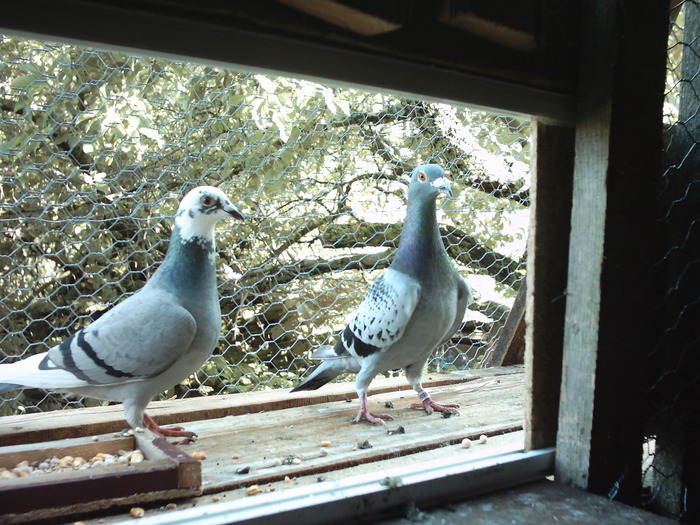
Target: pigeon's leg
377 419
413 374
169 432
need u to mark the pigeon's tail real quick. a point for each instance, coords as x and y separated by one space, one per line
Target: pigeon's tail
37 372
327 371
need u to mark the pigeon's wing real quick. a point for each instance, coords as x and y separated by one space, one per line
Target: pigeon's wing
382 316
137 339
464 299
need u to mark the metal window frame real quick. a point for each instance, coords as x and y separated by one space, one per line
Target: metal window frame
426 484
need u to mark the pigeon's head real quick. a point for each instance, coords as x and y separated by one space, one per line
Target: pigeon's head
201 209
429 181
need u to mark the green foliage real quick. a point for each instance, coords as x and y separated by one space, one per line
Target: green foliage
96 148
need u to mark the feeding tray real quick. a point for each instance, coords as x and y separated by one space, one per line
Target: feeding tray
165 473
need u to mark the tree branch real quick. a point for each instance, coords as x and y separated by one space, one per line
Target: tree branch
461 247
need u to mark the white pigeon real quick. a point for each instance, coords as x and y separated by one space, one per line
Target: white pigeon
417 304
153 339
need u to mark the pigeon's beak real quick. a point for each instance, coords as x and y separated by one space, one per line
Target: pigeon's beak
443 185
233 211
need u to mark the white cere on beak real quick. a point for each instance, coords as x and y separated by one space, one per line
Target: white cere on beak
443 185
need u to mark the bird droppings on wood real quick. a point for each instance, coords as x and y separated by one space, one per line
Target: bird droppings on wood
391 482
364 445
389 404
399 430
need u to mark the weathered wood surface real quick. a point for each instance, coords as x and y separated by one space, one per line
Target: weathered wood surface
548 245
489 405
33 428
166 473
271 429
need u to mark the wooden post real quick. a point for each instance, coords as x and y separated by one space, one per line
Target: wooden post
550 223
609 312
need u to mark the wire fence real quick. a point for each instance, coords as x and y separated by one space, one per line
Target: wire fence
97 148
675 358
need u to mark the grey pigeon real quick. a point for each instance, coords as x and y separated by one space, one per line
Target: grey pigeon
153 339
417 304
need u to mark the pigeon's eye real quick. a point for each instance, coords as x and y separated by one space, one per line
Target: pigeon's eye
207 200
422 176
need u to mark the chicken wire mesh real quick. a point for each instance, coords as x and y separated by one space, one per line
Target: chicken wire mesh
98 147
675 379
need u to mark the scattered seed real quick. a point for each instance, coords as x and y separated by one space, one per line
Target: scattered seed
276 462
466 443
290 460
483 438
364 445
325 443
138 430
215 499
286 479
198 454
243 470
321 479
137 512
136 457
323 452
399 430
235 457
171 506
252 490
95 438
296 461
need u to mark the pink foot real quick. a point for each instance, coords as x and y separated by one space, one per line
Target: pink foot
169 432
429 405
377 419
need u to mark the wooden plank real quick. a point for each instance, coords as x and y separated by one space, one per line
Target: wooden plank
510 345
166 472
344 16
617 165
550 223
266 442
64 424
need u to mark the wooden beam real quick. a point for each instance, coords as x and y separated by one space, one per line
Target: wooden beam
550 223
510 345
609 316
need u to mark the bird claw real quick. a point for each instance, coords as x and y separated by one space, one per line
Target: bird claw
377 419
170 431
429 406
